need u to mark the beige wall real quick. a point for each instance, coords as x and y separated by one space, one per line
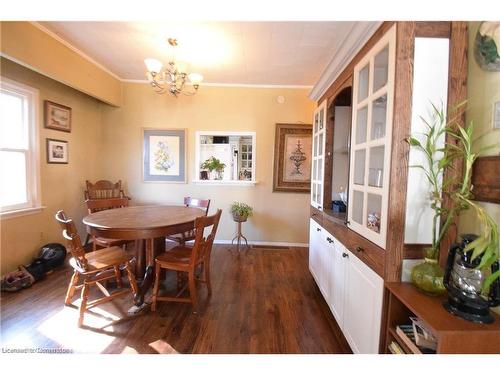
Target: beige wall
483 89
27 44
279 217
61 185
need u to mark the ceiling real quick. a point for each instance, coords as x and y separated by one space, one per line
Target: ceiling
253 53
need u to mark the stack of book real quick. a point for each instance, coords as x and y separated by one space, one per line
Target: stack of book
416 338
394 348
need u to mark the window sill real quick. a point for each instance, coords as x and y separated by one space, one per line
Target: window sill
222 182
21 212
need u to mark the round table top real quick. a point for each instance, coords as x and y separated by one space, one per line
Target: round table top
142 217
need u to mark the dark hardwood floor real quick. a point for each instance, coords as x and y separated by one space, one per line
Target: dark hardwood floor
264 301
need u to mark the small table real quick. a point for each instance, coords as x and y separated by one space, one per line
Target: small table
148 226
239 235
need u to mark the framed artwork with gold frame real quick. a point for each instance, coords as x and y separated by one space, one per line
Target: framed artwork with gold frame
292 158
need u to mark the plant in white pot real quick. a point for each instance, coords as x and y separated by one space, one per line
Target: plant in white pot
212 164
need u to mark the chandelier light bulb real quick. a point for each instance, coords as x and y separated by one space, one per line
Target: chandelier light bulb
195 78
153 65
182 67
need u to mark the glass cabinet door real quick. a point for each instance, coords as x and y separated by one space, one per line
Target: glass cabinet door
318 156
373 93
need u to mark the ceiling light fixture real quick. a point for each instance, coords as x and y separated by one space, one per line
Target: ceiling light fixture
171 78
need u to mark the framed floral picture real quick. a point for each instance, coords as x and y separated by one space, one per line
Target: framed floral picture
57 116
57 151
292 158
164 155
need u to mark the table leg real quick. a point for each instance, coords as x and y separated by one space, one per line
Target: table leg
152 248
140 267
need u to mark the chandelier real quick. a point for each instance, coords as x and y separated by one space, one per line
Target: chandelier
172 77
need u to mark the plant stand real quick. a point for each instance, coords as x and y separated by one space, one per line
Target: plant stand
239 235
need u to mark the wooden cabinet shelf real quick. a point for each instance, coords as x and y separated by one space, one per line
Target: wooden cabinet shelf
337 217
454 334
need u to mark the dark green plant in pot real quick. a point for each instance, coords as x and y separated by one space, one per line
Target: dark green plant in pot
428 276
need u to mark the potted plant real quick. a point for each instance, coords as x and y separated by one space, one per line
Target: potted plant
214 165
241 211
428 276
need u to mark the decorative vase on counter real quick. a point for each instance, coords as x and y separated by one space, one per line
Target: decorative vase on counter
428 277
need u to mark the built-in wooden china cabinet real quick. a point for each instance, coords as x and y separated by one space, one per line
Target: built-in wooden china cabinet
359 147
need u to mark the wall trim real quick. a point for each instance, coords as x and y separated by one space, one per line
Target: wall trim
74 49
356 39
266 243
246 85
261 243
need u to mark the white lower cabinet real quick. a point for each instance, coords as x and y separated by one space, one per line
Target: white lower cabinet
352 290
337 280
363 295
314 247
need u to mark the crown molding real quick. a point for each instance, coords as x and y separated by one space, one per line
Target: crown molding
244 85
357 37
74 49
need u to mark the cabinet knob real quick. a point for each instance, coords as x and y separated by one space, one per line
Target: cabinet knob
345 255
359 249
329 240
318 229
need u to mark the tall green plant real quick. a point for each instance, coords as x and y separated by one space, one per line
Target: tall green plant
436 160
458 189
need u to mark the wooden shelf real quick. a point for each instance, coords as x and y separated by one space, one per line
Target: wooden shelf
454 334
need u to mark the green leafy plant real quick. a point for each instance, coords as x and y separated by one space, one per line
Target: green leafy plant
241 209
213 164
458 190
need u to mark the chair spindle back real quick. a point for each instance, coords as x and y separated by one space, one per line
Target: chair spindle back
104 189
71 235
203 245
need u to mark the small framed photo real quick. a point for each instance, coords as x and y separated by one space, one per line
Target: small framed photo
57 151
57 116
164 155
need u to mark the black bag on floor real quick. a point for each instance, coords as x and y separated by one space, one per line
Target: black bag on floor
51 256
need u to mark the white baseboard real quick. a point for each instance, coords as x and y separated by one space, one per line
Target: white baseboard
261 243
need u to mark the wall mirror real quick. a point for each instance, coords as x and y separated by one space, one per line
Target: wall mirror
225 157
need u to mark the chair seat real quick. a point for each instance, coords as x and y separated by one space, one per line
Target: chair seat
104 258
176 257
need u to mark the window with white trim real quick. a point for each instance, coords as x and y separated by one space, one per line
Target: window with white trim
19 161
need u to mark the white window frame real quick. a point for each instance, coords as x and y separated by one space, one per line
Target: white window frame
197 142
32 153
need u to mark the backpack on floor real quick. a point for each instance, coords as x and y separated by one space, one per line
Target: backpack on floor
51 256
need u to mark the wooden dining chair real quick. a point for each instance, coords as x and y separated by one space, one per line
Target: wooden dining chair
203 204
95 267
95 205
188 260
102 189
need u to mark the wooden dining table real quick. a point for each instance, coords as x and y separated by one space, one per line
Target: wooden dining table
147 226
